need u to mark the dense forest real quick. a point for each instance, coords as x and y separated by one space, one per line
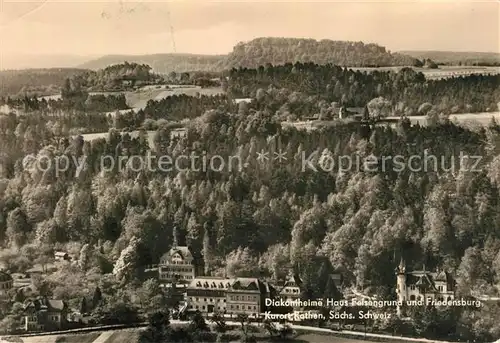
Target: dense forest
29 82
290 50
406 90
258 220
264 50
117 77
257 217
458 58
174 108
252 54
162 63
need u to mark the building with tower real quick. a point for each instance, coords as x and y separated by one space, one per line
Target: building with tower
423 285
180 264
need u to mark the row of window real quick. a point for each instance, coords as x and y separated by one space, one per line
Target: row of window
179 262
176 276
243 298
33 319
178 270
413 287
232 298
213 285
209 299
248 307
203 307
421 298
6 285
288 290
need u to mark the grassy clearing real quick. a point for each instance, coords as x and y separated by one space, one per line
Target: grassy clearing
83 338
315 338
125 336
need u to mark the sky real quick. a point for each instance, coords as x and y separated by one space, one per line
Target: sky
93 27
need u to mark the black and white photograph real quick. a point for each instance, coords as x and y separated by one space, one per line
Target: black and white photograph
240 171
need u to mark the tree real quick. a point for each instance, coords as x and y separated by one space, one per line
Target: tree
245 328
83 306
379 107
84 256
198 323
270 327
197 327
17 227
151 296
207 249
220 322
97 297
331 291
126 265
9 324
285 331
158 329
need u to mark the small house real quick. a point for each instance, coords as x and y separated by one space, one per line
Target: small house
43 314
61 256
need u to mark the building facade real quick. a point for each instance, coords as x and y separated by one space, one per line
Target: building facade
208 294
423 285
179 265
43 314
292 288
247 296
6 284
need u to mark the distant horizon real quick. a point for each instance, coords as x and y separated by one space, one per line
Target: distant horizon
45 28
48 54
200 27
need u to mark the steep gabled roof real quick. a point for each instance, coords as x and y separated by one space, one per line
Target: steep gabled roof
210 283
45 304
249 284
429 279
183 251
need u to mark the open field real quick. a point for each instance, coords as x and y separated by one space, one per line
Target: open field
466 119
442 71
470 120
482 119
315 338
131 336
139 98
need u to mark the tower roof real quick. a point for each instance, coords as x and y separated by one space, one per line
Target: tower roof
401 269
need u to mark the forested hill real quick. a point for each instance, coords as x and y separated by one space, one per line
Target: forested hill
455 57
162 63
34 81
267 50
289 50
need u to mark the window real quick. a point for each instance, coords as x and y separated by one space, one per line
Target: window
412 287
412 297
440 288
